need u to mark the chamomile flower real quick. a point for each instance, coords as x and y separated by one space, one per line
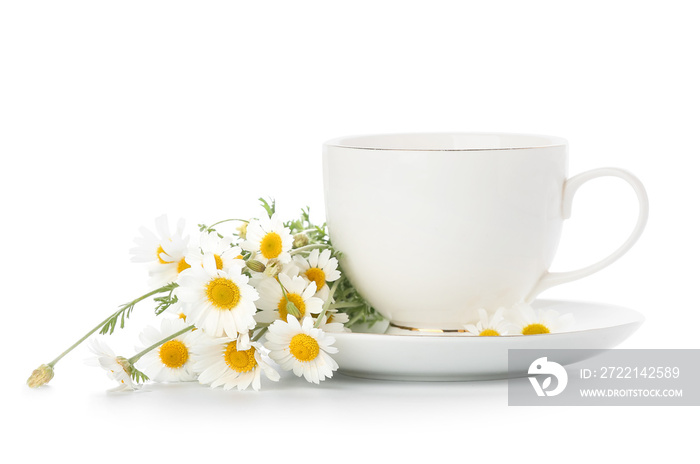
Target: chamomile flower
274 300
218 302
176 309
489 325
225 254
334 322
220 363
164 250
301 348
118 368
271 271
268 239
320 268
529 321
171 361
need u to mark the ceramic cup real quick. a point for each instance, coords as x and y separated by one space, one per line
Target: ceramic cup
434 226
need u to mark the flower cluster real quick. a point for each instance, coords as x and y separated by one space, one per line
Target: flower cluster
234 307
522 319
256 299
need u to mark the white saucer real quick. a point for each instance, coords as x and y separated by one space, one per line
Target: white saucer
438 357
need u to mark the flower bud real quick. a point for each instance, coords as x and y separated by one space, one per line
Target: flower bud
293 310
273 268
300 240
242 230
255 265
41 376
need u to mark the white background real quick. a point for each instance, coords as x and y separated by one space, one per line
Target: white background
112 113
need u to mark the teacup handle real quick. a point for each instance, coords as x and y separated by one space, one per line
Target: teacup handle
550 279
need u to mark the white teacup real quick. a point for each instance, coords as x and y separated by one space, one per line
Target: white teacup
434 226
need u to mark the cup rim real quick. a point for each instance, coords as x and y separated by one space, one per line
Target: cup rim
364 142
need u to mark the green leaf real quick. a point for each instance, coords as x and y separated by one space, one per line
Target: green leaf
125 310
269 208
138 376
164 302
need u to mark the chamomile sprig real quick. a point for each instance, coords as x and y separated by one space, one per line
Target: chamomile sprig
44 373
124 370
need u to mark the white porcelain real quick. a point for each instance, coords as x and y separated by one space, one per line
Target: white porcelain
435 357
434 226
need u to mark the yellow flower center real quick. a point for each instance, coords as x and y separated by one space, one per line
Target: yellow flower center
219 262
173 354
182 265
535 329
239 361
304 347
223 293
317 275
293 298
489 333
158 253
271 245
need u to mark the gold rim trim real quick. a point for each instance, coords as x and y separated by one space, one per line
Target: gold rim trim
446 149
434 331
554 141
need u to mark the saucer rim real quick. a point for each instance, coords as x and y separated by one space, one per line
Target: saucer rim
405 357
639 319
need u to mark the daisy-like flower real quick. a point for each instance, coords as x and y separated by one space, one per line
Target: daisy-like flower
271 270
225 255
489 325
529 321
320 268
171 361
334 322
218 302
269 239
118 368
176 309
220 363
273 300
165 250
301 348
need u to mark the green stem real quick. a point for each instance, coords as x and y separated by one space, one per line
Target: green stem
263 329
165 288
346 305
226 220
73 346
284 291
110 318
294 310
357 317
132 360
326 304
306 231
308 248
